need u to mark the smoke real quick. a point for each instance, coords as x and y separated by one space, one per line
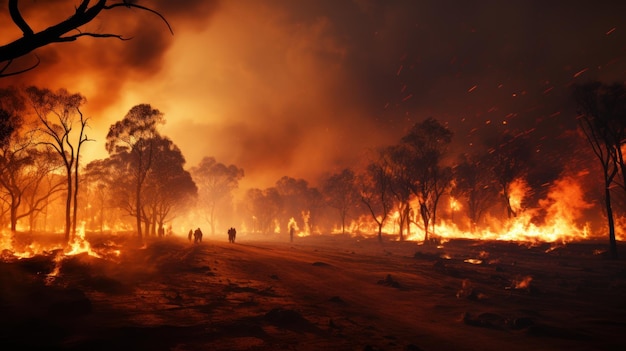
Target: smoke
301 88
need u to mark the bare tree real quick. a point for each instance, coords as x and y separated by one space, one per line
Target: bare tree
374 186
510 160
475 183
67 30
603 121
58 112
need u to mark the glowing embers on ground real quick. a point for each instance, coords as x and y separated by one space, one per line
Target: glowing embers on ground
77 245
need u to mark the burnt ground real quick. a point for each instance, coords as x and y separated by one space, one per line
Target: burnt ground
318 293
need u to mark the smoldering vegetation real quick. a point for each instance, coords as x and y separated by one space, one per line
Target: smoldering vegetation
319 292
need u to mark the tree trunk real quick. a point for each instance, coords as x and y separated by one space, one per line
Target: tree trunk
609 214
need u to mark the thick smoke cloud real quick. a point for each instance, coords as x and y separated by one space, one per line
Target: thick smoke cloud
300 88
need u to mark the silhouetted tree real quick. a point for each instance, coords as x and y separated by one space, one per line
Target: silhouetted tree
602 119
65 31
401 158
131 142
341 193
428 142
510 159
475 183
58 113
293 200
375 189
264 207
12 108
216 182
168 186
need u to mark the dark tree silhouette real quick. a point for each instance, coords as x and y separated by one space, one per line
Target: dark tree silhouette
169 187
341 193
58 112
602 119
510 159
374 187
132 140
474 182
428 142
293 200
67 30
264 207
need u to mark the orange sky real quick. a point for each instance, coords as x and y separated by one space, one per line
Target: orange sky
301 88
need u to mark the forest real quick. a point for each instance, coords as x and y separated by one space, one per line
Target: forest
416 189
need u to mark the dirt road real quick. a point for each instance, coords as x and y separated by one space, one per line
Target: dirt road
332 294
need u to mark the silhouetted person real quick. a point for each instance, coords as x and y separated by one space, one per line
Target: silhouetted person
232 234
197 236
291 230
190 234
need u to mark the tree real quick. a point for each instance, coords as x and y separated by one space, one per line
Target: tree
216 182
602 119
475 183
428 142
131 141
341 193
293 195
401 158
12 107
510 160
58 112
264 206
374 186
67 30
168 185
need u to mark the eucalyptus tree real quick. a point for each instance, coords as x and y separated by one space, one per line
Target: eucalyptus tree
131 142
63 129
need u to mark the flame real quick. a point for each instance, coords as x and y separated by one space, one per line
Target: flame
79 244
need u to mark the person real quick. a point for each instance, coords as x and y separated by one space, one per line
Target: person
232 234
190 234
197 235
291 230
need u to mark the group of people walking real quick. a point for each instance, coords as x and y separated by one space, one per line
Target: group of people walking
197 235
232 235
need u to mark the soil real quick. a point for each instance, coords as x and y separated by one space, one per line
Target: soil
316 293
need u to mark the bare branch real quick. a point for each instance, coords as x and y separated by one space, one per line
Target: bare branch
17 18
58 33
129 5
9 62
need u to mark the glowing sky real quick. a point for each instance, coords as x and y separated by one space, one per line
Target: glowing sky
300 88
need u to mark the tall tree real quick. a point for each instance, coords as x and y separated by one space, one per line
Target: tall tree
475 183
216 182
168 186
58 113
67 30
341 193
602 119
264 207
428 142
511 156
374 187
132 140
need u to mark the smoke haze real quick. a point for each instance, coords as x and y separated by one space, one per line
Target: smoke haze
301 88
